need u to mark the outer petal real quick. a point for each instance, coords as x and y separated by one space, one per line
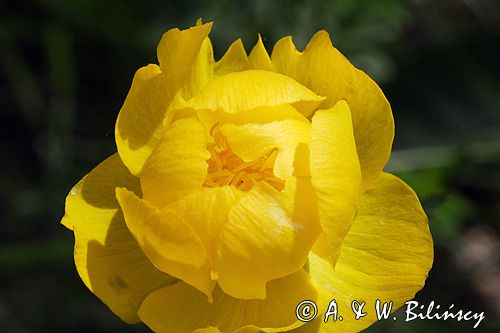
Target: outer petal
185 55
259 243
386 255
138 124
208 330
107 257
178 164
234 60
323 69
167 241
202 70
259 58
335 175
182 309
242 91
186 65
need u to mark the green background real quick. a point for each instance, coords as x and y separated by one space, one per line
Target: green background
65 69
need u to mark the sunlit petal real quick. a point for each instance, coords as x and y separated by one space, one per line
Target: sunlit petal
386 255
182 309
324 70
335 175
168 242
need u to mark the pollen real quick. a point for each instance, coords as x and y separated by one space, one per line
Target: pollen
226 168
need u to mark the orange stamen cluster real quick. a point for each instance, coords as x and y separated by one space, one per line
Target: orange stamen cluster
225 168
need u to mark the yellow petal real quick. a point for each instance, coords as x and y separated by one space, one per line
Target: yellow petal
300 202
259 58
186 66
324 70
107 257
181 309
202 71
178 50
242 91
207 330
386 255
169 243
206 212
138 125
259 115
260 242
234 60
178 164
335 175
251 141
186 58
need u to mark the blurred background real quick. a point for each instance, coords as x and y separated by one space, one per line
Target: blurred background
66 67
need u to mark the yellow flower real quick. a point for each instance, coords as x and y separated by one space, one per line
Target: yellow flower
244 186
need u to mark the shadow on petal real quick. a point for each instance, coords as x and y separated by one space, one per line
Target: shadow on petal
118 272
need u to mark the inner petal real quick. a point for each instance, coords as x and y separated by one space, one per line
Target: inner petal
226 168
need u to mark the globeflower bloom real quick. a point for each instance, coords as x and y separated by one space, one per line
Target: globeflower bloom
244 186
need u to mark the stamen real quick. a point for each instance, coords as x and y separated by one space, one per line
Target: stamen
226 168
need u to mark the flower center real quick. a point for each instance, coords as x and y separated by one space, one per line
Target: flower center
226 168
